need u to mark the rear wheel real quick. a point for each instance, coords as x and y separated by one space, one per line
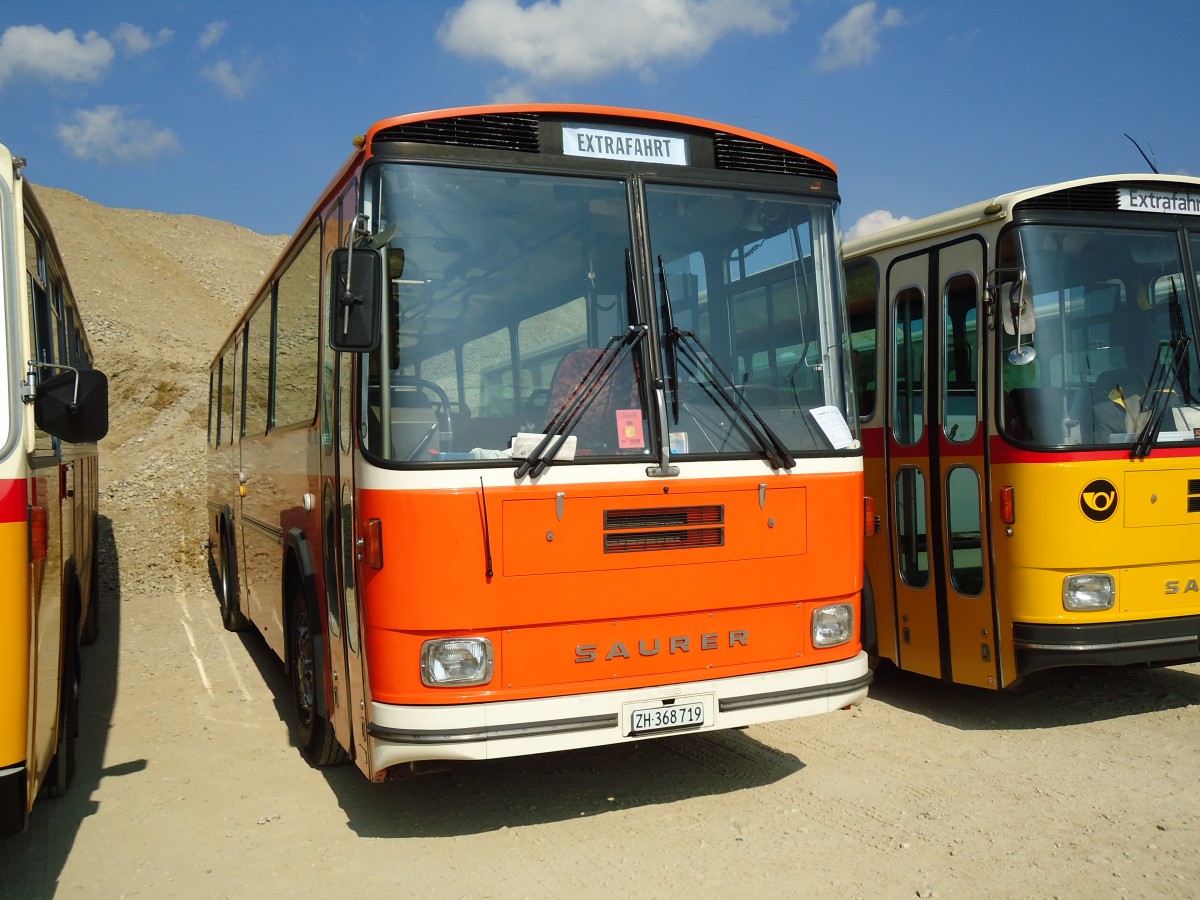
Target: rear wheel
314 733
231 605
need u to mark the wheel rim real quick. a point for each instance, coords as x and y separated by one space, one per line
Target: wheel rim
305 691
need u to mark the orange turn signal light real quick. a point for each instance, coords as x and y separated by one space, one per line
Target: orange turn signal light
370 544
1007 505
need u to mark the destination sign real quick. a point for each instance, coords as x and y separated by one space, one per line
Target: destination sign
1159 201
626 145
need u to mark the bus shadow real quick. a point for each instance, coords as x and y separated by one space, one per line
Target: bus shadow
468 798
31 863
463 798
1047 699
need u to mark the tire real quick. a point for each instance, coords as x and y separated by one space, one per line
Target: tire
229 595
869 633
62 768
314 732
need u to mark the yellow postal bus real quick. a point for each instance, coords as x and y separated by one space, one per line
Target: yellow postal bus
1029 393
53 409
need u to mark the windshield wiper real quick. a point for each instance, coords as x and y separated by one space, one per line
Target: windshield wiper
1178 330
772 445
594 380
1162 382
672 339
775 449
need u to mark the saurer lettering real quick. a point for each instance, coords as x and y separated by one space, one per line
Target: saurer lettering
1188 587
711 640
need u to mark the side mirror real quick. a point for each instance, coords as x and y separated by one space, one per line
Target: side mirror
1018 296
73 405
1019 318
357 302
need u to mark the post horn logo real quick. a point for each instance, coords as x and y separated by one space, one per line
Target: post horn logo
1099 500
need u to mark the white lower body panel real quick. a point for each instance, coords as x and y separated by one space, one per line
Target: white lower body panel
401 734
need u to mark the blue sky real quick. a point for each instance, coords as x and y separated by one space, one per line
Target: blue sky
242 111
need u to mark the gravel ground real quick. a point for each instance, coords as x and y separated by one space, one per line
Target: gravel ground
1076 784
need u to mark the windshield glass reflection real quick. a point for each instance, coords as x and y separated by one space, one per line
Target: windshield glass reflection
1114 335
505 289
747 282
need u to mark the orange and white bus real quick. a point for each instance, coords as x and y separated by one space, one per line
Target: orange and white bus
538 436
53 410
1029 389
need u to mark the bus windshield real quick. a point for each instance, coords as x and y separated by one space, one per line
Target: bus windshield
746 286
512 303
1114 334
505 288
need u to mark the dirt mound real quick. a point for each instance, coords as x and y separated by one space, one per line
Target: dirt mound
157 293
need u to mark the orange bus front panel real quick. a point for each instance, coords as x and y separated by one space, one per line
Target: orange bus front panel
771 566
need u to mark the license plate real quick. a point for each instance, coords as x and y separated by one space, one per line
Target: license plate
668 716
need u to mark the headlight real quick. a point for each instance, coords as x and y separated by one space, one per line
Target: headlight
832 625
1087 593
456 661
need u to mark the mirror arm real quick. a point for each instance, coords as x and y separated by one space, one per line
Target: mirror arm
30 392
358 228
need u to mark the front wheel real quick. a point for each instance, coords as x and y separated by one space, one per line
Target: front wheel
231 605
314 733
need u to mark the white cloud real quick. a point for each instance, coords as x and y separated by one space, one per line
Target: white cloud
134 40
107 134
577 40
36 50
212 33
232 82
855 37
873 222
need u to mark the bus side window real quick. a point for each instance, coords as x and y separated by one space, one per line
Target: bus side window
862 298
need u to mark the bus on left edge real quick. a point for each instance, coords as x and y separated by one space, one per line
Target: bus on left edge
53 410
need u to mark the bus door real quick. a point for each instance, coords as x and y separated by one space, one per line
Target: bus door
338 552
960 525
935 443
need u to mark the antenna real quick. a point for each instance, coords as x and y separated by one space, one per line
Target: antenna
1150 162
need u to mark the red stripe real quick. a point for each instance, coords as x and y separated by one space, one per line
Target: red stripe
14 505
1004 452
874 440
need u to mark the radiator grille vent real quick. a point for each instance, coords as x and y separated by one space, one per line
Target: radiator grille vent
675 539
489 132
1087 198
674 528
663 518
746 155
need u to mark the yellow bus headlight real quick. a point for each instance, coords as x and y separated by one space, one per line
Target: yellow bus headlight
456 661
832 625
1088 593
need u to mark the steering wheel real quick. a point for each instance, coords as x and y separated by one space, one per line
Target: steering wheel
441 403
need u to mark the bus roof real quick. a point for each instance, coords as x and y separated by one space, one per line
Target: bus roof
568 109
995 209
363 151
